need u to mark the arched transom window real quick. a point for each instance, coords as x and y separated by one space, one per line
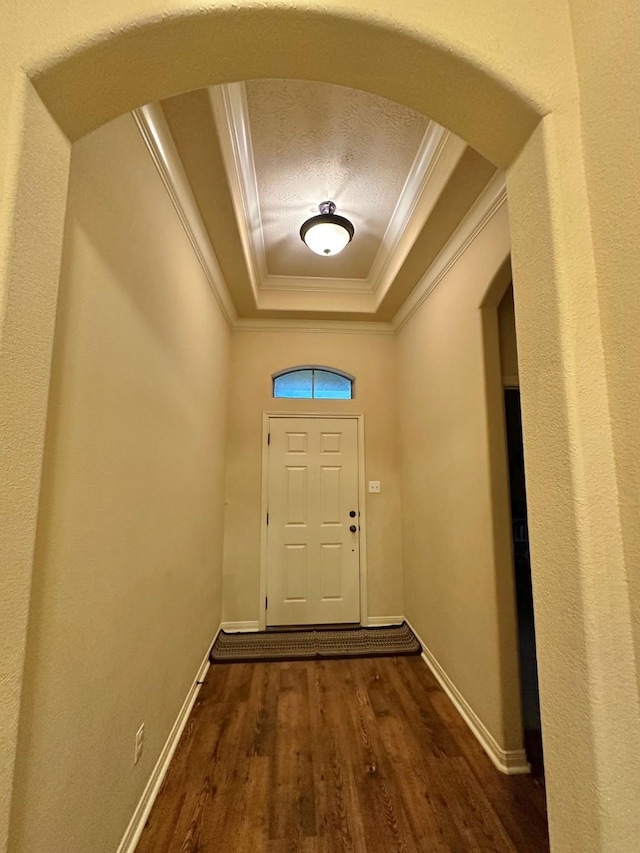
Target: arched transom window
312 382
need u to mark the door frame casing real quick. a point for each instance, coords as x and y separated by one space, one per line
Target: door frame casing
362 492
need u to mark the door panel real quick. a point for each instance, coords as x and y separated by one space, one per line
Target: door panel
297 442
296 571
330 496
331 559
330 442
313 558
296 496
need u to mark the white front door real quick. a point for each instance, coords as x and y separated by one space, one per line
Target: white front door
313 554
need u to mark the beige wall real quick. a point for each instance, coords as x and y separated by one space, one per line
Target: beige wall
127 582
546 89
455 515
255 357
607 39
507 331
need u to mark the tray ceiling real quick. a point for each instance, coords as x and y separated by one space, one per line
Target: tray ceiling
315 141
259 157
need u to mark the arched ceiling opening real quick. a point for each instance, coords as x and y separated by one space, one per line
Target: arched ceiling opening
259 156
490 99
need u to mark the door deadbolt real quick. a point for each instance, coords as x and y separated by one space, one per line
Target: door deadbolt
352 514
353 528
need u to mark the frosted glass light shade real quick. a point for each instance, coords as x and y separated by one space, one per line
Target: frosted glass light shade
327 234
327 238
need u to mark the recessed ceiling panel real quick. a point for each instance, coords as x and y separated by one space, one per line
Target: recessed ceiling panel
246 163
313 142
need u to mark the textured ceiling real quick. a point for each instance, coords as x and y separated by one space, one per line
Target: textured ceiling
259 156
316 141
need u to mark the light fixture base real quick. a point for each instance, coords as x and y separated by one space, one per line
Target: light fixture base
327 207
327 234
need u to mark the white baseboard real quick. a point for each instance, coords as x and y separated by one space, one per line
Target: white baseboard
134 830
512 762
384 621
234 627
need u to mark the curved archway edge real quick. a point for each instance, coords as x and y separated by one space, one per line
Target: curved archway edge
109 76
465 83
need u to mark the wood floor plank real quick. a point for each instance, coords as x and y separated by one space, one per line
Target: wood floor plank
228 771
317 735
342 825
520 804
417 774
360 755
292 799
378 777
266 682
474 817
181 787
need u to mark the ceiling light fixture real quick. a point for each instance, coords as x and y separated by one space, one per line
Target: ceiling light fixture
327 234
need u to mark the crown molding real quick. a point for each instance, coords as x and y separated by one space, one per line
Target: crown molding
447 155
438 148
313 284
344 327
414 185
422 189
484 209
231 115
157 137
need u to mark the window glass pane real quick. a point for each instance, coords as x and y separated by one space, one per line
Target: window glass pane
331 386
293 385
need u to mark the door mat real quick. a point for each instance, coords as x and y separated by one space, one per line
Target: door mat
318 643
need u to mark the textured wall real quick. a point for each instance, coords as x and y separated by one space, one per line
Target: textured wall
255 357
30 288
127 582
508 343
456 534
607 39
489 72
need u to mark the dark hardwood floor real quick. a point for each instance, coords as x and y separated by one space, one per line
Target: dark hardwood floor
354 755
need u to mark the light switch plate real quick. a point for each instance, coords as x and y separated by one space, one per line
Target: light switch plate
374 486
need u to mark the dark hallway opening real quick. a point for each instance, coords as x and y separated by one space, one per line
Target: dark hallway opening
524 596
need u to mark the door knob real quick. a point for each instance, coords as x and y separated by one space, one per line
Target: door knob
353 528
352 514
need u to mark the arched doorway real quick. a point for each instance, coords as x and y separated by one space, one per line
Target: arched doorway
499 95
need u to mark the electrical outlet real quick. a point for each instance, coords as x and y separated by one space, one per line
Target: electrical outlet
374 486
139 744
